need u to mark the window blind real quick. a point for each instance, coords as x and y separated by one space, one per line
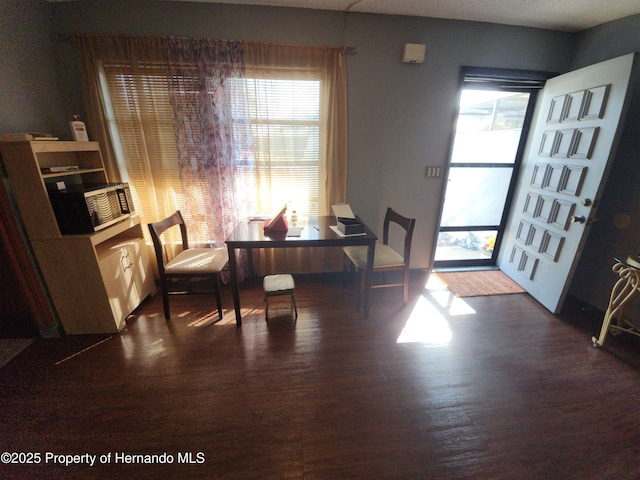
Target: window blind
282 114
284 121
141 124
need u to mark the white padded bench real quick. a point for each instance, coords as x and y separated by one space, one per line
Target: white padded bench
276 285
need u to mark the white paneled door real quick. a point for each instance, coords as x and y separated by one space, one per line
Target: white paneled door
573 138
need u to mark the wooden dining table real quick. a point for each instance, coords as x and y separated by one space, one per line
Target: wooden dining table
319 231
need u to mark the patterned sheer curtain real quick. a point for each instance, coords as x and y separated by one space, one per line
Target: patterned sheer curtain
212 140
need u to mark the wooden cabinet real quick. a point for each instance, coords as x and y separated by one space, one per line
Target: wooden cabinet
96 279
124 268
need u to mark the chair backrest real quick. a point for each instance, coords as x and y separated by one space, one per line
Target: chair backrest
406 223
158 228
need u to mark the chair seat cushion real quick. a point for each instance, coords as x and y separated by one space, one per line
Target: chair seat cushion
278 284
385 256
198 260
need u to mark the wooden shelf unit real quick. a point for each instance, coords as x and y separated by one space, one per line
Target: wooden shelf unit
97 279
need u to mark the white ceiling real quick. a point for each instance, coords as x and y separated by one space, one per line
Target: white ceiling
563 15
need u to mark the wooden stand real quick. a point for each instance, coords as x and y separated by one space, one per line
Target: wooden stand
95 280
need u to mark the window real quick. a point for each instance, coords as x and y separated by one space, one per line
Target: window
284 121
283 165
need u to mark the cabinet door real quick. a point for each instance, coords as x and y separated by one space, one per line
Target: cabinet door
116 270
127 277
143 283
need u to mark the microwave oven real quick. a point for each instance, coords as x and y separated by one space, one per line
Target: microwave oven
89 208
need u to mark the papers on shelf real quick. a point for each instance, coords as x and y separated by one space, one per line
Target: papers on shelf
25 137
67 168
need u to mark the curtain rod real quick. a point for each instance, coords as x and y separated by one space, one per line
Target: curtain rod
347 50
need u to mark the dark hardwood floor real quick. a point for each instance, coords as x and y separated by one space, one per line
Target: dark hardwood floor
476 388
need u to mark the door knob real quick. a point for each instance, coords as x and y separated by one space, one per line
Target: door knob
579 219
586 202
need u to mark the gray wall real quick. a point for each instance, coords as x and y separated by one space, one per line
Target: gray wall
400 115
29 96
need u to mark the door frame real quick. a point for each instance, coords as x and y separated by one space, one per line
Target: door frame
498 79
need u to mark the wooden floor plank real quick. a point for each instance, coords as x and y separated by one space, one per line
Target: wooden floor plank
493 387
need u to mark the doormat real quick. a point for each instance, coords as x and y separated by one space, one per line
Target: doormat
478 283
10 347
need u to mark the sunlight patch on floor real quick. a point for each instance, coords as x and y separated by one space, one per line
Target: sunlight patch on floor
143 353
426 325
440 293
211 317
428 322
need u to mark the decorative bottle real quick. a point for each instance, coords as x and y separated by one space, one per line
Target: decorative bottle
78 129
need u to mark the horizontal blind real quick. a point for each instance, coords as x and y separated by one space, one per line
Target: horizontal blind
143 122
282 114
284 119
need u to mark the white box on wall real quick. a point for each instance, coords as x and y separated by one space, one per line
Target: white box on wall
413 52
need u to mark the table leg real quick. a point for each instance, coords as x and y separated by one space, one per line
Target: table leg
235 289
368 276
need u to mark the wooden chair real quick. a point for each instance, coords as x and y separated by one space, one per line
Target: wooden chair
189 263
386 259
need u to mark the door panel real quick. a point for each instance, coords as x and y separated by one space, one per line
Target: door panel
575 130
475 196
